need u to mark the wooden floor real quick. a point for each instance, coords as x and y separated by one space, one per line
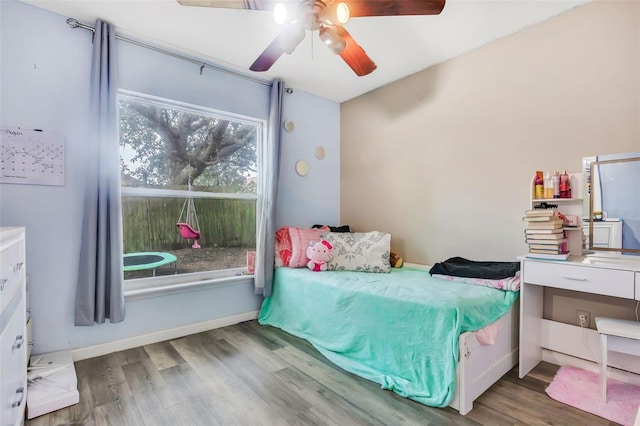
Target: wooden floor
247 374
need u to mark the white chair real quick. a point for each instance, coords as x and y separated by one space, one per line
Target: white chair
618 336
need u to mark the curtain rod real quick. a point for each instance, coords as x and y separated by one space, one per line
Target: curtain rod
74 23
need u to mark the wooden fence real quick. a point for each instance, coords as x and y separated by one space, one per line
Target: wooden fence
150 223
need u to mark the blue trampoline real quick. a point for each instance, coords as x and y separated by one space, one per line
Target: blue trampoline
149 260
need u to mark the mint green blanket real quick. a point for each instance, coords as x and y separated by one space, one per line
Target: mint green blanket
399 329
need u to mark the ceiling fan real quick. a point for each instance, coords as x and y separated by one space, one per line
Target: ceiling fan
325 16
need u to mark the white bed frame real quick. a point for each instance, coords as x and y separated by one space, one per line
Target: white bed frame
480 366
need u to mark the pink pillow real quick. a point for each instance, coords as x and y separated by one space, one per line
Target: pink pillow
283 247
300 239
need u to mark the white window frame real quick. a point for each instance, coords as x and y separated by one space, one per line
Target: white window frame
166 284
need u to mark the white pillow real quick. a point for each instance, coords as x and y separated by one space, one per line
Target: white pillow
360 251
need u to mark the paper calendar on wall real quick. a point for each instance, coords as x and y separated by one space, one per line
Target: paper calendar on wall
31 157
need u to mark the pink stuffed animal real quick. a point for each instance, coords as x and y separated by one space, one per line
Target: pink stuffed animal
319 253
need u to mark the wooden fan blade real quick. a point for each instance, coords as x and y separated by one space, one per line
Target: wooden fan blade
232 4
290 37
354 55
393 8
268 57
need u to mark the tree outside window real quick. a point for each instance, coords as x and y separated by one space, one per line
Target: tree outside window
176 157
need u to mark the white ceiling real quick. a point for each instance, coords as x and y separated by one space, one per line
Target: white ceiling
399 45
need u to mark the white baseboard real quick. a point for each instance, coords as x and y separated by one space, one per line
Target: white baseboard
159 336
558 358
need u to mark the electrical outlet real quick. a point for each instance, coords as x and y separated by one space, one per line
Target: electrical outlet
583 318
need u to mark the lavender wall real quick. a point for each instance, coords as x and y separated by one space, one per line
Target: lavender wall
44 84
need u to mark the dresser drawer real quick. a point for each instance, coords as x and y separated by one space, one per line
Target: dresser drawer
11 271
13 363
608 282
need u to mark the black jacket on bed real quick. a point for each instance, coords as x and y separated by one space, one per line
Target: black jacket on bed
460 267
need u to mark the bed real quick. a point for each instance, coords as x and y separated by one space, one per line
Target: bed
409 332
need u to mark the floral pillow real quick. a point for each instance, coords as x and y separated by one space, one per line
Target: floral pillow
360 251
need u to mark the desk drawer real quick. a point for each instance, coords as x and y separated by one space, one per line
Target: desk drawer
609 282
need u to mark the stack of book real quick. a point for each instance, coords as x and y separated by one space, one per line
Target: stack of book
545 235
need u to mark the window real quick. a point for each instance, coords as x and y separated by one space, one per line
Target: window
193 166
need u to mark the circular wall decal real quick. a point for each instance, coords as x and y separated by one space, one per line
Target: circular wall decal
289 126
320 153
302 168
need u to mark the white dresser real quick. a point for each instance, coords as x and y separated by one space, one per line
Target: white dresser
13 337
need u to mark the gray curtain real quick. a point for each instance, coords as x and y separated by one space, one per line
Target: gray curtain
99 293
269 158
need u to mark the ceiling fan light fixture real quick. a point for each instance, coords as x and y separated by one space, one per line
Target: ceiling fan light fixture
343 13
280 13
335 14
330 37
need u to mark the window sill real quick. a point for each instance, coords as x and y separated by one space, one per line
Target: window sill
154 288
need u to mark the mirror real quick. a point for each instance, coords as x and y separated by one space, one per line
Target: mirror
612 203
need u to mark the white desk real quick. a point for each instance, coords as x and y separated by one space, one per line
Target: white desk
586 274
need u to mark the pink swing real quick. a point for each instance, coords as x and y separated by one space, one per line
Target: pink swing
190 219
